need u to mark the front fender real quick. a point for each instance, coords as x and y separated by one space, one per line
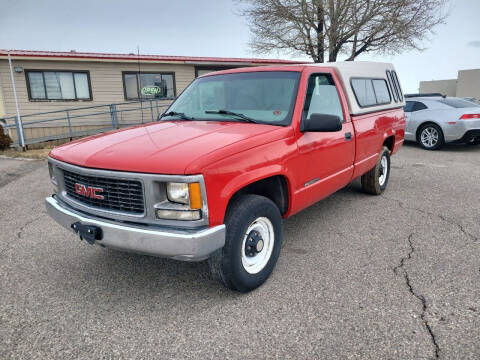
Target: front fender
226 177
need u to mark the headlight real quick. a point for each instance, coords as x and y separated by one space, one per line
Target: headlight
182 193
178 192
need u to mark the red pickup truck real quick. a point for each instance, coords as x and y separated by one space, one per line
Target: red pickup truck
238 151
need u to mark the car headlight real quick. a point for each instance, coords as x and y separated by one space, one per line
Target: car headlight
189 194
178 192
185 193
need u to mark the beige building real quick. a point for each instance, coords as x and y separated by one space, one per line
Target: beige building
51 81
467 84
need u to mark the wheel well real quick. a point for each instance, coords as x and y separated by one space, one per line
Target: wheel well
389 142
425 123
274 188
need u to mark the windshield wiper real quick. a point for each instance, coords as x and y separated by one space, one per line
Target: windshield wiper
227 112
179 114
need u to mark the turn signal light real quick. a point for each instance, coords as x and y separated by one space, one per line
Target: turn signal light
470 116
195 195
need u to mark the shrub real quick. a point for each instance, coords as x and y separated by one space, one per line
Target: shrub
5 140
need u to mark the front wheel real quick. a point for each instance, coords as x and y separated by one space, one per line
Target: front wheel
375 181
252 244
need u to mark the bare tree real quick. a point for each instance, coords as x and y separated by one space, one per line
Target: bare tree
331 27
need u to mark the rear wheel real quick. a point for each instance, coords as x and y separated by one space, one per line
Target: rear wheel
430 137
375 181
252 244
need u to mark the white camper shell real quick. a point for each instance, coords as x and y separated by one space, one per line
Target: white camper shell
370 86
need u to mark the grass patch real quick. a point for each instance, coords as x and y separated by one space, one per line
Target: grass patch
38 154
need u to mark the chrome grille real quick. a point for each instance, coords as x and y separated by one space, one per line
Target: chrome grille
119 194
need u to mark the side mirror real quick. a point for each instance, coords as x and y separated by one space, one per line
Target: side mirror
321 123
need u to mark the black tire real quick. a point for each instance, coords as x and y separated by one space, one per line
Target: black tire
434 128
371 183
226 264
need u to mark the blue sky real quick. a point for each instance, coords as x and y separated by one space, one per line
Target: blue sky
208 28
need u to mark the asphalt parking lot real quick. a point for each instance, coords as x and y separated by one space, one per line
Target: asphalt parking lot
390 277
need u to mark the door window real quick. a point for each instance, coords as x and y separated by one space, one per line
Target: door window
322 97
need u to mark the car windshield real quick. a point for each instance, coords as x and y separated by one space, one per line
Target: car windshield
458 103
263 97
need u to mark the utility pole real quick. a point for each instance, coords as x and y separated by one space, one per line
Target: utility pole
18 120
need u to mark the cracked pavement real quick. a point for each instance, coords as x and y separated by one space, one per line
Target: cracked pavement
395 276
396 270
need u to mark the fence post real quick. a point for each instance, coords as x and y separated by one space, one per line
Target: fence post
158 111
151 109
70 132
113 114
20 135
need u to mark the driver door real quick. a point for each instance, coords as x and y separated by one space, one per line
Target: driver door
327 157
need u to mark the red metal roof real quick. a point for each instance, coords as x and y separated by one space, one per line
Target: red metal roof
167 58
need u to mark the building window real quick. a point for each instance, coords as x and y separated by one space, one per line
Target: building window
148 85
58 85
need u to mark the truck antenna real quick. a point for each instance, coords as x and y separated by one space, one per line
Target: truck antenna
138 82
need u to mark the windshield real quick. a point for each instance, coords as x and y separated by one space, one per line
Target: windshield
265 97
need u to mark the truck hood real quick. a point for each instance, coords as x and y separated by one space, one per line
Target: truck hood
166 147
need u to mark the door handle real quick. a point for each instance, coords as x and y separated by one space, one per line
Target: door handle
348 136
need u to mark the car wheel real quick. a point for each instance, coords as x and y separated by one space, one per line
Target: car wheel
252 244
430 137
375 181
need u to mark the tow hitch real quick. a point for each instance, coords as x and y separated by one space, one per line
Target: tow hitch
90 233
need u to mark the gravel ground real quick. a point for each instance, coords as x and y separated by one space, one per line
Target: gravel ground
390 277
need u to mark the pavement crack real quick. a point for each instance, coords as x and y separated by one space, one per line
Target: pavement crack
20 231
28 223
441 217
400 269
460 226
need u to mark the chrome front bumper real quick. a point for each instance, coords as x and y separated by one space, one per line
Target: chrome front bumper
188 245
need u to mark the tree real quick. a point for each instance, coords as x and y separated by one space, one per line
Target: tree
318 28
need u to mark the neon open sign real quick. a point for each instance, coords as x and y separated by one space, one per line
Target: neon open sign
151 90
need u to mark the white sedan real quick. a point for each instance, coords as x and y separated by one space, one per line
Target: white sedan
436 120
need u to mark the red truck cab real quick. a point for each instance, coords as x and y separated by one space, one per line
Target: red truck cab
235 153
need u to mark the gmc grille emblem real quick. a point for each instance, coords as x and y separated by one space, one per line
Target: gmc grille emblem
89 191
